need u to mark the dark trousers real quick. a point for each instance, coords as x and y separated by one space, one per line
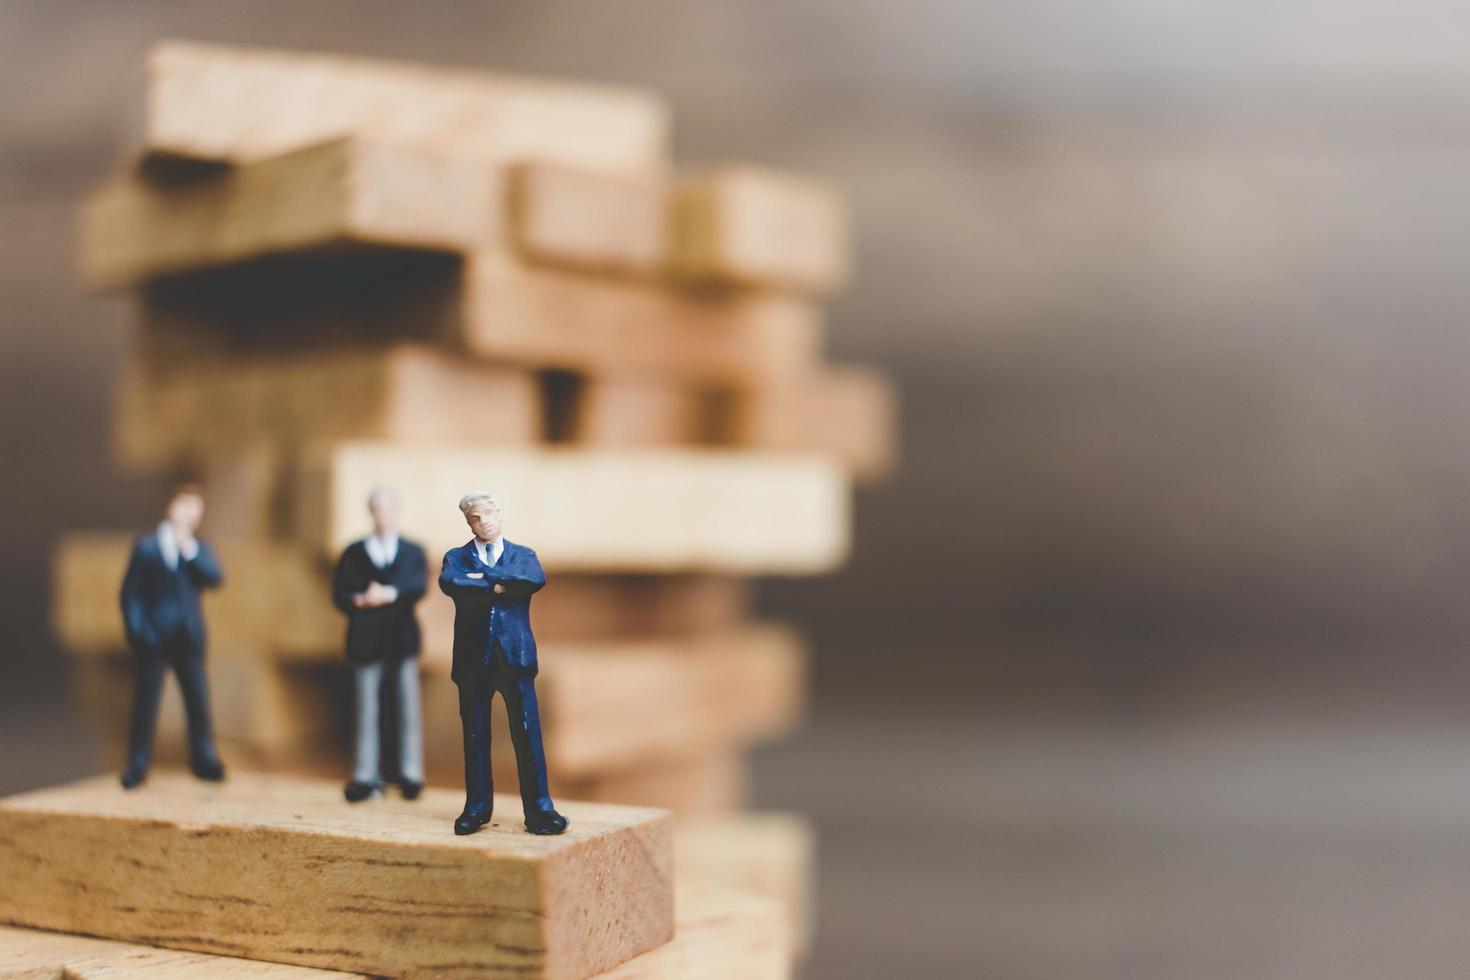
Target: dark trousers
187 662
519 693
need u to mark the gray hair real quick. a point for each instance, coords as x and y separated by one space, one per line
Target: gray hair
476 497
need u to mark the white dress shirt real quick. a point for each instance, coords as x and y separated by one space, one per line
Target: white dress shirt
490 553
170 548
382 548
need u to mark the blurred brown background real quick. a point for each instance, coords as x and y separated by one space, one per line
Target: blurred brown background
1150 660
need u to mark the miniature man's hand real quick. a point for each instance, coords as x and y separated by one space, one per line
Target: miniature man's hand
499 587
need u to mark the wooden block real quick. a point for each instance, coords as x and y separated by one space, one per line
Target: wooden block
294 619
589 220
769 854
30 954
759 227
492 306
663 511
719 934
280 868
611 412
850 412
340 193
705 784
219 102
176 408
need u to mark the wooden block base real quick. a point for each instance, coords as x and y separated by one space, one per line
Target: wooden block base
282 869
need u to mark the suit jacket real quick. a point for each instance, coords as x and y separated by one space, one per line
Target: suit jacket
160 605
384 632
482 618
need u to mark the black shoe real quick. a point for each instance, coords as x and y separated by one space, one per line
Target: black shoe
546 822
209 770
133 777
359 790
470 821
410 789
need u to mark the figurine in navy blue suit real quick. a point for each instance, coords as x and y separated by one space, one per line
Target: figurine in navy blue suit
168 569
491 581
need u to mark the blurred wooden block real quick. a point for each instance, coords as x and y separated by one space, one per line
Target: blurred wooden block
645 713
704 784
31 954
492 306
592 221
221 102
850 412
663 511
345 192
277 597
174 408
385 888
760 227
719 934
770 854
611 412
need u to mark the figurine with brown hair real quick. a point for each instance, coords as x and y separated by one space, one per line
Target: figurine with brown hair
491 581
168 569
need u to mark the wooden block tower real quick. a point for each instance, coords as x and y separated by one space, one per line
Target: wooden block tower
347 273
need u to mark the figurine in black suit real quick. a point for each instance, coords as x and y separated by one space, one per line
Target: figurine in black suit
378 582
168 569
491 581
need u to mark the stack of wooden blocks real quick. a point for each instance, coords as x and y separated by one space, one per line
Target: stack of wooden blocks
349 273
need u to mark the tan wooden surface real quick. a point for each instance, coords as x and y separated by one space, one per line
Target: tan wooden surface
770 854
759 227
342 192
718 933
656 510
848 411
592 221
709 783
277 595
495 306
33 954
612 412
282 868
172 409
218 102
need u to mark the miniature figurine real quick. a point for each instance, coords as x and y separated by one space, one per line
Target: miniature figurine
165 629
378 582
491 581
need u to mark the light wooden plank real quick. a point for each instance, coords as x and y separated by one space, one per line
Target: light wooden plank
764 853
664 511
850 412
232 103
710 783
493 306
760 227
280 868
32 954
331 195
173 409
589 220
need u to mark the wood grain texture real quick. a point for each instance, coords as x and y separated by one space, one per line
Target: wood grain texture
492 305
665 511
718 933
219 102
760 227
172 409
281 868
763 853
335 194
32 954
